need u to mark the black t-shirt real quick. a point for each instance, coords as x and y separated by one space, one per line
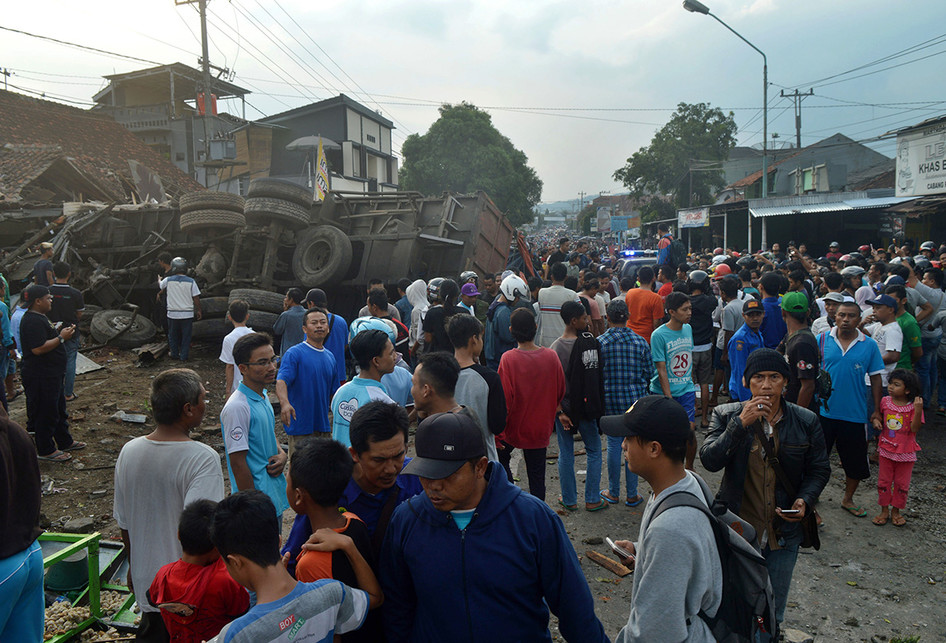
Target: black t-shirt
804 361
66 302
342 570
557 257
702 320
435 323
35 330
39 271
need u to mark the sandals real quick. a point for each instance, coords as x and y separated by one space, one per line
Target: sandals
568 507
898 520
608 497
75 446
633 503
72 398
855 510
56 456
597 506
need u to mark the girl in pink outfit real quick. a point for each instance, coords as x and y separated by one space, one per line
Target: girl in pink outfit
897 445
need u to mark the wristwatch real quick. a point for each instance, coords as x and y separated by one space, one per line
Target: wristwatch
61 340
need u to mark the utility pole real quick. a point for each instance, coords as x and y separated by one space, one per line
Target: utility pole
797 99
6 73
206 87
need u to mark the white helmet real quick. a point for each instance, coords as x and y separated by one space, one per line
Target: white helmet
512 287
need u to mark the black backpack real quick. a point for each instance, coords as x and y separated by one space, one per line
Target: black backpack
677 253
747 604
585 375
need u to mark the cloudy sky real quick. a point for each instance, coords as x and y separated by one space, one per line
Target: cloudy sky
578 86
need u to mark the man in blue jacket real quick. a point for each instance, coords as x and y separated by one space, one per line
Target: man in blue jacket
473 558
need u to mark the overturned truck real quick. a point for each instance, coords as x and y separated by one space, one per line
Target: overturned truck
260 246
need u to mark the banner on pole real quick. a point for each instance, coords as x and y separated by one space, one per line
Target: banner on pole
321 175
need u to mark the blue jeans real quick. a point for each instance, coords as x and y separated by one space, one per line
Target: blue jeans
926 369
566 462
781 565
179 337
21 595
941 376
72 349
615 464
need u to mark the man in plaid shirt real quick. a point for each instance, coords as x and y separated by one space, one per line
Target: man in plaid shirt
628 369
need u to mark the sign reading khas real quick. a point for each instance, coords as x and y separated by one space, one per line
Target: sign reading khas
921 161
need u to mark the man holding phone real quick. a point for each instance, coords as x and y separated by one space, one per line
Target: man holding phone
677 549
741 435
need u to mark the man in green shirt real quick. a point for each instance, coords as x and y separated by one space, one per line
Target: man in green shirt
912 343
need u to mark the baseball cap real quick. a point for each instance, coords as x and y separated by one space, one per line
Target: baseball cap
834 244
752 305
883 300
653 417
794 302
444 442
834 296
895 280
469 289
34 292
316 296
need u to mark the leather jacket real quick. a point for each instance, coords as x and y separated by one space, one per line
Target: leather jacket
801 453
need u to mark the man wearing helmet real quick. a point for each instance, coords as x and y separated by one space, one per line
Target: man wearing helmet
183 305
499 337
927 248
834 251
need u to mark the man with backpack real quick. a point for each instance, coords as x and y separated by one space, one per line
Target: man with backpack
678 575
669 250
775 463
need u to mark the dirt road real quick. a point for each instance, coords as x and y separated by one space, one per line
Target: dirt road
867 583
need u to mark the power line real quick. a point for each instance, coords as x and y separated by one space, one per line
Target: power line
78 46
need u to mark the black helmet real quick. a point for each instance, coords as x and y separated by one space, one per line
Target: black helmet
178 266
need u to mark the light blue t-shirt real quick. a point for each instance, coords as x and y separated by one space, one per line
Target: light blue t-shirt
675 347
462 517
309 374
847 370
398 385
348 399
249 424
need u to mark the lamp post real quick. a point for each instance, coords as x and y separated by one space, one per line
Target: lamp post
698 7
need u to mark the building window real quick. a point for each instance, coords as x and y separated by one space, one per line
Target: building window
179 156
807 180
371 139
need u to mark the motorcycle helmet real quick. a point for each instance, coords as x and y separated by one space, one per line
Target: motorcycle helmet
468 276
433 290
512 287
722 270
178 266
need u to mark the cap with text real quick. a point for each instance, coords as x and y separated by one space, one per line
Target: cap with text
444 442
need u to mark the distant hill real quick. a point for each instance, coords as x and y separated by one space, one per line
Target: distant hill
560 206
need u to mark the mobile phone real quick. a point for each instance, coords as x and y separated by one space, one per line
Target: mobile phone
790 511
620 551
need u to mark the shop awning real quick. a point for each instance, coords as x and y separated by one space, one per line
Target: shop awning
818 203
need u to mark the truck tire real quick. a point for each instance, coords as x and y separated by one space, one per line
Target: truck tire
322 256
280 189
261 321
263 210
214 307
106 324
219 219
210 330
209 200
258 299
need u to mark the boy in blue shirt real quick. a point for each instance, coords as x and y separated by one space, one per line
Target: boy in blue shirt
375 355
671 346
246 533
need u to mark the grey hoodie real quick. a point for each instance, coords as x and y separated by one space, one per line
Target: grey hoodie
417 296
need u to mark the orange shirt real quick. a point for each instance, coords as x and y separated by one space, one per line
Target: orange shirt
316 565
643 308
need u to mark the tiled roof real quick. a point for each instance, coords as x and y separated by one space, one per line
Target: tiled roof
34 133
756 176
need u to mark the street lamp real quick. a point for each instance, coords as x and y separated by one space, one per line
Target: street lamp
695 6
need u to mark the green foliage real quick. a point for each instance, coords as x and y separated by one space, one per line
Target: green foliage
463 152
584 219
694 132
905 639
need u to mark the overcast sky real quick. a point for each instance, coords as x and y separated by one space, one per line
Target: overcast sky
578 86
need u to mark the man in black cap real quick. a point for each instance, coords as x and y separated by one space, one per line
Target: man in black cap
744 438
44 368
443 576
677 567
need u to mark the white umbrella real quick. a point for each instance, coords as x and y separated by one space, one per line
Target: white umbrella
312 143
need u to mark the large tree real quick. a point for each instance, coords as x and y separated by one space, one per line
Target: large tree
694 133
463 152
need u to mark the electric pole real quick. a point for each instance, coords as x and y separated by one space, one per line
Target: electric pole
797 99
6 73
205 75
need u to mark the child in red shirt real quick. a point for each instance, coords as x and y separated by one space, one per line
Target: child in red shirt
897 444
196 594
319 471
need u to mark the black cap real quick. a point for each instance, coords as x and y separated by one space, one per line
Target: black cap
444 442
751 305
34 291
315 296
653 417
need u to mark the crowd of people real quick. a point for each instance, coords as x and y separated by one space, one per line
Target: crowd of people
780 358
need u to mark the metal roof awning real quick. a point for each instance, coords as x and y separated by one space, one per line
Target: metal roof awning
820 203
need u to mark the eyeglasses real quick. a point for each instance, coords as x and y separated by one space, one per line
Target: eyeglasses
264 362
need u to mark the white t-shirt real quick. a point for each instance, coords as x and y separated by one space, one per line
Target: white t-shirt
889 337
181 291
154 481
226 353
